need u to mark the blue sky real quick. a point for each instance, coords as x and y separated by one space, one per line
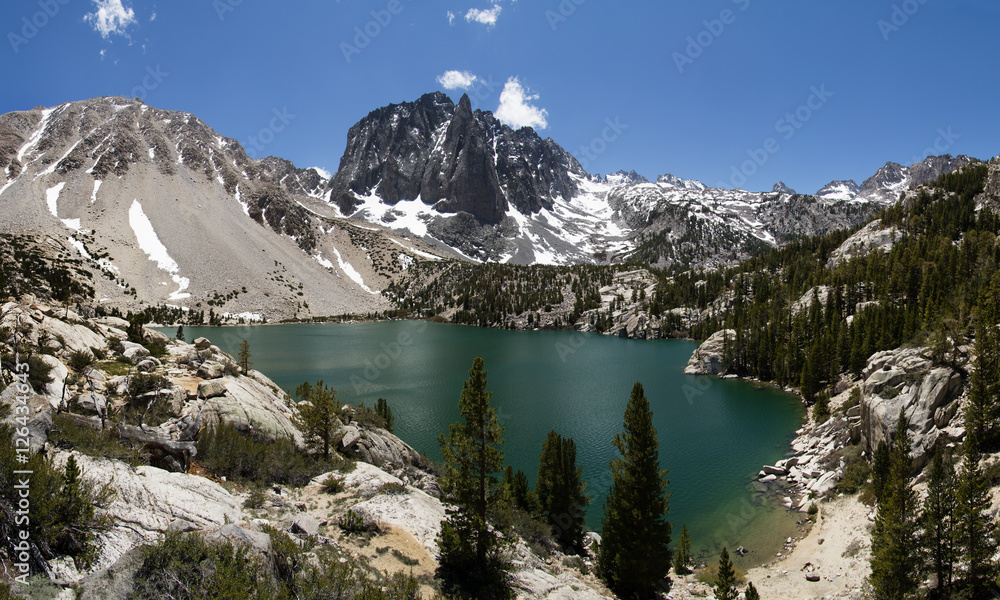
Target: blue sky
717 90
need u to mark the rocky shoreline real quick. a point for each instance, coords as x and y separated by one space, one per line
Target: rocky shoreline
863 413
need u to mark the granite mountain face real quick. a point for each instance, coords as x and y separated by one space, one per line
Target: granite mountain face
458 176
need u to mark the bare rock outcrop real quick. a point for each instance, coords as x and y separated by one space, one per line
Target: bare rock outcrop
870 238
708 358
148 502
907 380
377 446
248 405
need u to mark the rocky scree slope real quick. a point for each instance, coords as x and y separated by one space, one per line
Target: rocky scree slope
166 210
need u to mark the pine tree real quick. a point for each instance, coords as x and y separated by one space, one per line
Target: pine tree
635 553
180 333
385 413
880 469
244 356
938 520
976 531
725 582
682 557
559 489
473 554
516 483
318 415
751 592
894 560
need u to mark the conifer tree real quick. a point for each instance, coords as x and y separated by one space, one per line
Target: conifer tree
880 469
682 557
725 582
318 415
560 489
180 333
385 413
635 553
516 483
244 356
938 520
473 553
751 592
894 560
976 531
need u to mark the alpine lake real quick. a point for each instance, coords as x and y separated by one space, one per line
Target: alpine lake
715 434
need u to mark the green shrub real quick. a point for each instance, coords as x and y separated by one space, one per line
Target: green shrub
141 383
39 372
406 560
352 522
256 498
156 347
186 566
228 453
64 515
333 484
68 433
856 471
392 488
709 574
80 360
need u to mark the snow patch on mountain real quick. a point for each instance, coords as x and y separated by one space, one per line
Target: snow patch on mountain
150 243
351 272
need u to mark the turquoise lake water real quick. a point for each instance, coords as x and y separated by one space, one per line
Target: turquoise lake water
714 434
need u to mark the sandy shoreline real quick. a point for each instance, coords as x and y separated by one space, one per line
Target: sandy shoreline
837 549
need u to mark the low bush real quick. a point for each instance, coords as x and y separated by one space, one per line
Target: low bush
64 508
80 359
141 383
856 471
227 452
352 522
39 372
185 566
67 433
710 574
333 484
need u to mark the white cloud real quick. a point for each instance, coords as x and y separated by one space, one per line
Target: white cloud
457 80
486 17
111 17
152 18
322 172
451 17
515 110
